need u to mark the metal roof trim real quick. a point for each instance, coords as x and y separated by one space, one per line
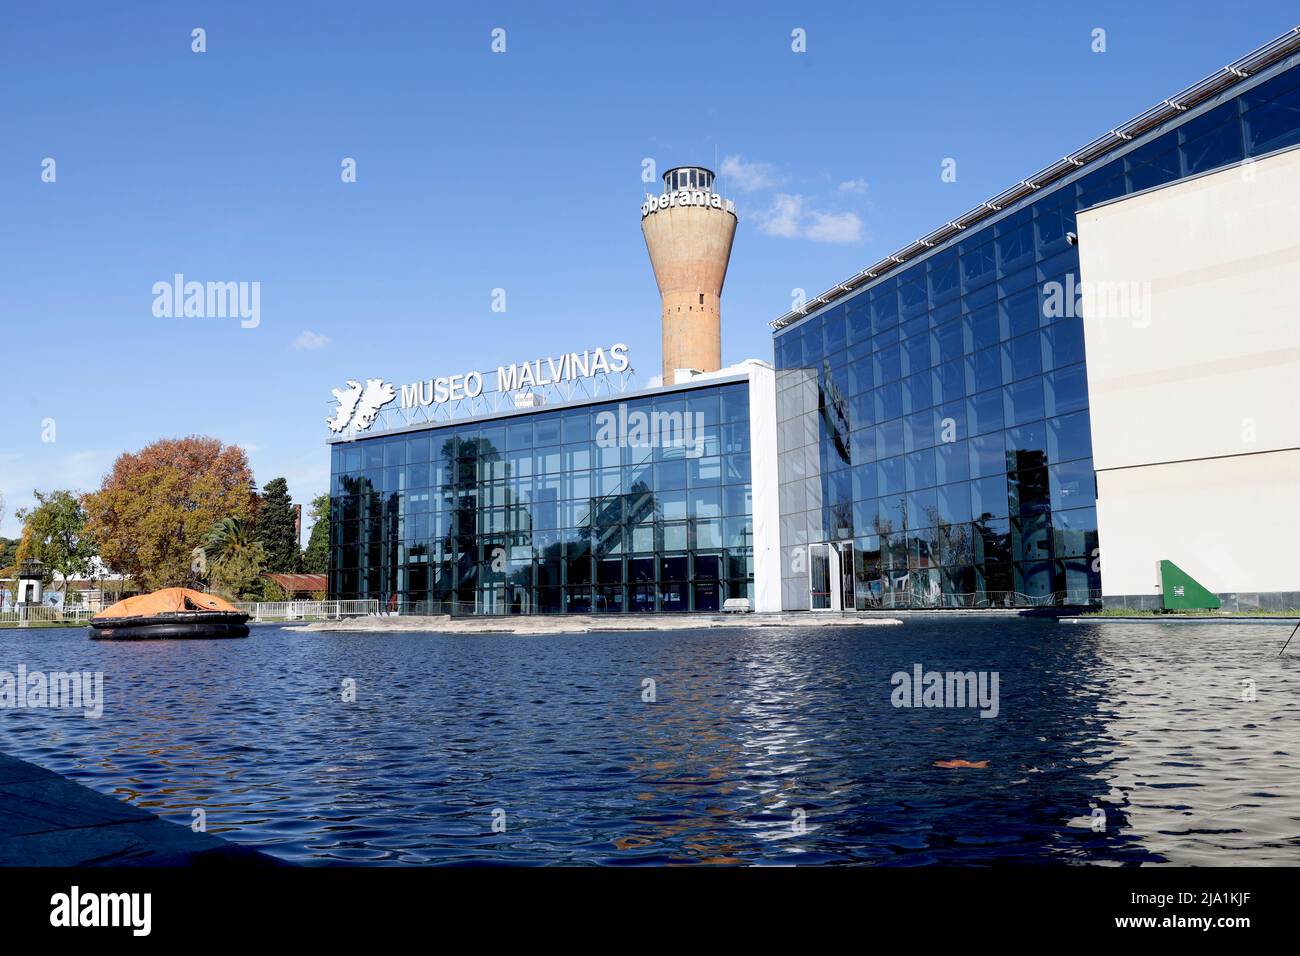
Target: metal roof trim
1203 89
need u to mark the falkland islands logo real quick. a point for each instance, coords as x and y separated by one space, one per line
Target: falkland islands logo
359 404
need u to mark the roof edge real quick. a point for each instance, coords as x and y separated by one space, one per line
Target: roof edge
1229 76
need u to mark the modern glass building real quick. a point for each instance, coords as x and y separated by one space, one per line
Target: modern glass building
934 433
540 511
925 438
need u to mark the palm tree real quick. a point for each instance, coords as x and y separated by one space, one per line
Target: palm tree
229 537
234 557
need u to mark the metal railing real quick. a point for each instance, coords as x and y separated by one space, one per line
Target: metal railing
420 608
40 614
905 600
264 611
258 611
889 600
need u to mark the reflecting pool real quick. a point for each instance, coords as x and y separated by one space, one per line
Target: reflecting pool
1112 744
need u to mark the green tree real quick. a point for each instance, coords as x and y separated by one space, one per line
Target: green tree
54 532
8 546
235 560
8 557
275 526
316 559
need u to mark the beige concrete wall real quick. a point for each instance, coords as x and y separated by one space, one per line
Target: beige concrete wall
1231 523
690 247
1192 329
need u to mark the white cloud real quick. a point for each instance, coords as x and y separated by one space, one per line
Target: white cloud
311 340
747 177
789 218
783 218
833 227
853 186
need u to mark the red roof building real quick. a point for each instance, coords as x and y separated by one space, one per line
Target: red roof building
299 585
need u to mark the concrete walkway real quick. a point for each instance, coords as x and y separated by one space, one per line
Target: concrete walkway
1182 619
48 820
587 623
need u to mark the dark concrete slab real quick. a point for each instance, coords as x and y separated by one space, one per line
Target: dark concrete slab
48 820
20 771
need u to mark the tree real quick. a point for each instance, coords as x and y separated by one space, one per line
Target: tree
275 526
159 503
54 533
8 557
235 560
8 547
316 559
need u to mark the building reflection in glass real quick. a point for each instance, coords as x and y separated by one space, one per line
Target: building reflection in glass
951 402
534 513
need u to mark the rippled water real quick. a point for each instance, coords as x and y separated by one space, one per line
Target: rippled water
763 746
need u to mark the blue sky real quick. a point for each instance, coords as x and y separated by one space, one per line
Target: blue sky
475 171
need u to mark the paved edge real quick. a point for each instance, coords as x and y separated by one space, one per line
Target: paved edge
1179 619
567 624
47 820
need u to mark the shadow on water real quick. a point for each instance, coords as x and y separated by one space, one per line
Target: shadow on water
1114 744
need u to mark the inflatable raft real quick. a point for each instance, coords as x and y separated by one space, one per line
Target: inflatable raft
169 614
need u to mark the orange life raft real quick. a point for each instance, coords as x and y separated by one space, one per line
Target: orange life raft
172 613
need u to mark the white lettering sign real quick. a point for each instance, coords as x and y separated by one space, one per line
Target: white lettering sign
686 197
358 405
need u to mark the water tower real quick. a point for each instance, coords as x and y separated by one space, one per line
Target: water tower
688 230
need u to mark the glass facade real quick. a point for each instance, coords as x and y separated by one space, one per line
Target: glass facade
541 512
938 418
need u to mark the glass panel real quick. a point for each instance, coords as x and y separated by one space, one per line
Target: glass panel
431 529
1275 124
1212 140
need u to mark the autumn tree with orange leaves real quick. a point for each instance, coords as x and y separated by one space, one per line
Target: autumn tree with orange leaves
158 504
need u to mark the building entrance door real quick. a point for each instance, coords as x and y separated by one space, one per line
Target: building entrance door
820 592
505 599
844 551
830 576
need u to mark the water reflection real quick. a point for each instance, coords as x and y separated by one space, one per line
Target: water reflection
764 746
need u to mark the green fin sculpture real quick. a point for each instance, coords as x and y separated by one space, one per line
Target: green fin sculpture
1181 592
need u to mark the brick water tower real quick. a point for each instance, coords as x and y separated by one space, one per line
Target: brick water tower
688 230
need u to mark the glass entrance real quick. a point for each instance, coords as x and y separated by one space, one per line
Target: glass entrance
847 602
830 576
819 577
